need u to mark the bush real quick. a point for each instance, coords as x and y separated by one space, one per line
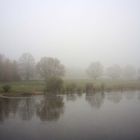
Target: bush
54 85
89 87
71 87
6 88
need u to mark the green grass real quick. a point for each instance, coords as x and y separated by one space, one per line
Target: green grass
107 84
25 86
78 84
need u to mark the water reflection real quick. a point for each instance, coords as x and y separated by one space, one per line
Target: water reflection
26 108
114 97
71 97
116 116
50 108
95 99
129 95
46 108
8 107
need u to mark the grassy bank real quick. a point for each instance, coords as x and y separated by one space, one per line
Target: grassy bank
78 85
24 87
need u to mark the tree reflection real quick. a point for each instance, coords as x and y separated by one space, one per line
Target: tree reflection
129 95
138 95
46 108
8 107
27 109
50 108
71 97
95 99
115 97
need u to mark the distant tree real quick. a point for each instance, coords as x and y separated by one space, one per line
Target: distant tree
26 66
138 74
8 69
114 71
15 71
129 72
95 70
7 74
50 67
1 66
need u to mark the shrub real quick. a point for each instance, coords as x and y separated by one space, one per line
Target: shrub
89 87
71 87
54 85
6 88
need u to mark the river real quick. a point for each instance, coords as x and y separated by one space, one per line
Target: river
97 116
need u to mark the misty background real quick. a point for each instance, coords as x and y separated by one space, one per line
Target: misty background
77 32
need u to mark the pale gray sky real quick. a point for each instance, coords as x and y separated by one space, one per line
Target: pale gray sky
75 31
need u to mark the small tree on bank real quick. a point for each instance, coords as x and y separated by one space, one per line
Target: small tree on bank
51 70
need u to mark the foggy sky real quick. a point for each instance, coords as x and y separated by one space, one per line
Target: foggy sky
75 31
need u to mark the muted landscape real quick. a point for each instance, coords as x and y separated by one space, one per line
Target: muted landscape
69 70
25 76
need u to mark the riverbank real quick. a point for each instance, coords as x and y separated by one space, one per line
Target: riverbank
73 86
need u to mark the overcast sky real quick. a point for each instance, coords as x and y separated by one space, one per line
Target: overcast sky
75 31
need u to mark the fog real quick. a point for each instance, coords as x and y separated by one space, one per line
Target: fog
77 31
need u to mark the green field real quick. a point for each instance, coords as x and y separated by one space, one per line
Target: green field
74 85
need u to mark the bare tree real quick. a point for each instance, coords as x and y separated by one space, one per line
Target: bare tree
95 70
26 66
50 67
114 71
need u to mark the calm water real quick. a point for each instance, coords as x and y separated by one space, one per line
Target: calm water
107 116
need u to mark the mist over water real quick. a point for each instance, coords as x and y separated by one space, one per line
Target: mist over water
69 70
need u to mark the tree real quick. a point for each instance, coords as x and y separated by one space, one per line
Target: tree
129 72
51 70
50 67
15 72
8 69
26 66
1 67
114 71
138 74
95 70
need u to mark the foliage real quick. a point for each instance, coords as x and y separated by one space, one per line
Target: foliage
114 71
50 67
6 88
26 66
54 85
89 87
95 70
71 87
129 72
8 70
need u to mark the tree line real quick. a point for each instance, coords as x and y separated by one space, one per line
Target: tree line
115 72
25 68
